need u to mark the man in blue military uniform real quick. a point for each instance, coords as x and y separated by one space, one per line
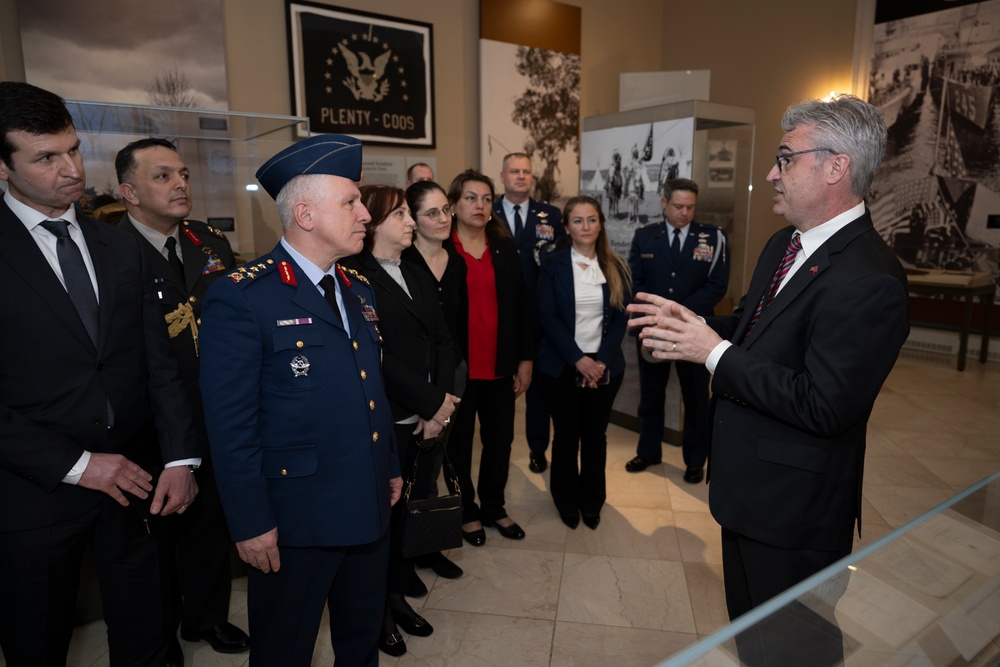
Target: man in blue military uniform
535 226
687 262
298 421
184 258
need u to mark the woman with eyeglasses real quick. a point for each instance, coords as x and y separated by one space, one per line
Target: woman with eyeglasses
582 294
499 350
418 367
434 252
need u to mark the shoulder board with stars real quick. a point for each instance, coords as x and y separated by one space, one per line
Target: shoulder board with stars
354 273
250 271
204 227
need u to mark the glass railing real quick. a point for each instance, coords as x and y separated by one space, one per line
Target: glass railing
925 595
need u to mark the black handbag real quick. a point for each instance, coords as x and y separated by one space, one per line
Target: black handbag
432 524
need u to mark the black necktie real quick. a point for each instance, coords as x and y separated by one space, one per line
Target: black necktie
75 275
518 222
172 257
675 245
330 294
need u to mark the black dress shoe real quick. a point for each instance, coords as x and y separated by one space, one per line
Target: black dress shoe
591 520
175 656
412 623
417 588
511 532
571 520
638 464
537 462
694 475
476 538
391 644
440 564
224 638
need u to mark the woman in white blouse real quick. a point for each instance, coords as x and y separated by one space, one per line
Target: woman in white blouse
582 294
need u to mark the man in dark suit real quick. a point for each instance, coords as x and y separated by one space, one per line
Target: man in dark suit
184 258
688 262
89 384
535 227
797 368
298 421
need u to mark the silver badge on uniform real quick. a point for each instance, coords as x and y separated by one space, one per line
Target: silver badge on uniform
300 366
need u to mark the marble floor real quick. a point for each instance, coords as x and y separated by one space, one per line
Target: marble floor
648 581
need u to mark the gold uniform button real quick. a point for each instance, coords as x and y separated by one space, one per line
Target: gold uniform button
375 436
283 472
270 261
355 344
299 344
371 405
364 376
192 299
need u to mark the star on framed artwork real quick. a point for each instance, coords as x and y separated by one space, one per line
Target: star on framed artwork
365 75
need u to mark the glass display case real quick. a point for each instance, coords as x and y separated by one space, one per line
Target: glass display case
624 160
222 149
926 594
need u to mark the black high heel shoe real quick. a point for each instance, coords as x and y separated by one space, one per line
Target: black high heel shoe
511 532
571 520
476 538
591 520
391 643
408 619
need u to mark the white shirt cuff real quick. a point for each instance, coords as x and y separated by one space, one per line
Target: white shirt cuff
716 354
76 472
184 462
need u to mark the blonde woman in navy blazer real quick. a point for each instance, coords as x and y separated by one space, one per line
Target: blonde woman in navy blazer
580 362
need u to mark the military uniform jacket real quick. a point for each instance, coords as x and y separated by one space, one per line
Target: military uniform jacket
697 280
299 425
207 257
543 231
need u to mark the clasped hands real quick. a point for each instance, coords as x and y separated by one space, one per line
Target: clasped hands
113 473
433 427
670 331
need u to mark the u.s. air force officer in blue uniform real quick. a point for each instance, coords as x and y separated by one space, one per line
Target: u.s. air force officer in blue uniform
535 226
299 425
686 262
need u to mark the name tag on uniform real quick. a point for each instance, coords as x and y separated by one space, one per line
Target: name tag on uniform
295 322
646 255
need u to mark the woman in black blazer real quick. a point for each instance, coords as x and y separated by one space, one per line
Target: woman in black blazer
418 366
582 294
433 252
499 350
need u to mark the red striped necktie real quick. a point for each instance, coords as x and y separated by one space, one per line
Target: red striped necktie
786 263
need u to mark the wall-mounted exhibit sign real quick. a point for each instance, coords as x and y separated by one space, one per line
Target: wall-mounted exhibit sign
366 75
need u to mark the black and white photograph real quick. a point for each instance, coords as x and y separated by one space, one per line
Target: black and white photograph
625 167
366 75
520 88
722 163
935 76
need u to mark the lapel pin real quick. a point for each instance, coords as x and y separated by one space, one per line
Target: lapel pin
814 270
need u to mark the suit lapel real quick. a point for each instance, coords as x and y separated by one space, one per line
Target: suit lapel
816 264
195 259
105 269
306 295
21 252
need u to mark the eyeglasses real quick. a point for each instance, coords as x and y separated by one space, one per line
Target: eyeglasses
785 159
435 213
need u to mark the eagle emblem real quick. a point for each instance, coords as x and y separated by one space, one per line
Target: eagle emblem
365 75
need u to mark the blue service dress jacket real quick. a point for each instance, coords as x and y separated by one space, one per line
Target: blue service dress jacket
698 279
557 314
298 421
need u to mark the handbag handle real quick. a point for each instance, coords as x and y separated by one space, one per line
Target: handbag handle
449 470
